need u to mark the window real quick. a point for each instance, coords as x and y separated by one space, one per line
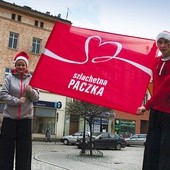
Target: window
41 124
36 44
16 17
105 135
36 23
13 16
19 17
142 136
13 40
41 24
44 118
125 127
7 71
134 137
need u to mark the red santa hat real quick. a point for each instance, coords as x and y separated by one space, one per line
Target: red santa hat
163 34
21 56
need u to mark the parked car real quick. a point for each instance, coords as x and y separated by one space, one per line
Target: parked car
71 139
79 142
105 141
136 139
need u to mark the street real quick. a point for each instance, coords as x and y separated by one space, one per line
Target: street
56 156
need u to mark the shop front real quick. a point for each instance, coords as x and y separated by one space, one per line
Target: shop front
45 118
99 125
125 128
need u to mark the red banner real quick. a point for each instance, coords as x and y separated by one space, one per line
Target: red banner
102 68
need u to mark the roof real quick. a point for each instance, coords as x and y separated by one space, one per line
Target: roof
29 11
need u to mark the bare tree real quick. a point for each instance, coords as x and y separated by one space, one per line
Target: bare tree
88 111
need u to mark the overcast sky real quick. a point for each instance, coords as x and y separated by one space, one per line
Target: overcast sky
141 18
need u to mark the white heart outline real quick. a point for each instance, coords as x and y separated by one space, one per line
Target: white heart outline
141 67
119 47
107 58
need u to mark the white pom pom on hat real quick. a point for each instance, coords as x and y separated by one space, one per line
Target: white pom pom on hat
21 56
163 34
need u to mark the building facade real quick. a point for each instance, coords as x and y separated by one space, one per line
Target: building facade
23 28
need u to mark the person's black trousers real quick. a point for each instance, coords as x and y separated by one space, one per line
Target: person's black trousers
15 139
157 146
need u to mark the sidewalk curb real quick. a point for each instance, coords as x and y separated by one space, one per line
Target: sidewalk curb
47 162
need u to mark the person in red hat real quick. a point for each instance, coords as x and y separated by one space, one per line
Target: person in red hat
15 138
157 146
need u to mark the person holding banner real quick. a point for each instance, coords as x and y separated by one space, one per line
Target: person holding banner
17 115
157 146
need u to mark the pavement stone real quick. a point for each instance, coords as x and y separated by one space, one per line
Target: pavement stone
56 156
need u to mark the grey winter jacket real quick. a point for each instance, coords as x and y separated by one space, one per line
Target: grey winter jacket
11 92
